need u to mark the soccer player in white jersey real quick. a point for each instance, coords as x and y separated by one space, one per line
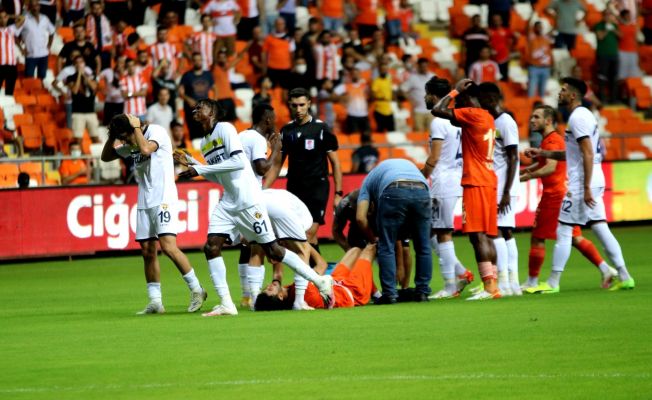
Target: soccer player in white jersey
251 268
506 166
240 210
444 168
150 148
583 204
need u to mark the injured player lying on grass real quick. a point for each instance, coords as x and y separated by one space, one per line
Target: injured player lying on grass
353 285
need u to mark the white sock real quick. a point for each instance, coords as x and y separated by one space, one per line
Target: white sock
604 268
154 292
501 259
562 248
217 270
434 244
553 281
300 286
300 268
244 280
459 268
255 277
377 294
192 281
447 262
612 247
512 259
532 281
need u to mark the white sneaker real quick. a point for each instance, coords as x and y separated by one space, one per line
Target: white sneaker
444 294
477 289
505 289
516 289
527 285
302 307
221 309
484 295
326 291
609 278
153 308
196 300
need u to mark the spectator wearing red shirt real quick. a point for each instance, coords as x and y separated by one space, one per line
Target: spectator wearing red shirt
366 19
392 20
538 58
332 14
278 50
501 40
627 47
646 11
485 69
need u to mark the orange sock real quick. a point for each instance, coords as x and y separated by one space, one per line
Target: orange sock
537 255
588 250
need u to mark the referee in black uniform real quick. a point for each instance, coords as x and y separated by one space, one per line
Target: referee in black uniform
309 144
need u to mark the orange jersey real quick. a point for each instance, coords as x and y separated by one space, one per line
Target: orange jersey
279 52
478 139
555 183
332 8
352 287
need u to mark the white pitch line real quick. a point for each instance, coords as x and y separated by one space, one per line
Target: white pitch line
326 379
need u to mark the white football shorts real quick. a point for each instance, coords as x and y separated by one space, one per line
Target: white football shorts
252 223
157 221
575 212
443 212
508 219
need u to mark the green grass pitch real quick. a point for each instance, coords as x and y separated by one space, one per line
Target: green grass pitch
68 331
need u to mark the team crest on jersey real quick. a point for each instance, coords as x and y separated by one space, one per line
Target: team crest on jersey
164 206
258 215
569 195
310 144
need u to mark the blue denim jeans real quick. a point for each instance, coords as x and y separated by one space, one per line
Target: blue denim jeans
404 212
32 64
332 24
537 80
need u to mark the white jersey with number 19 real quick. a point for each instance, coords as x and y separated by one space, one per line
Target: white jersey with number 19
582 124
447 175
241 189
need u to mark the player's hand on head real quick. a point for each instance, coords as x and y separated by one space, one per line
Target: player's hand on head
532 152
463 84
189 173
134 121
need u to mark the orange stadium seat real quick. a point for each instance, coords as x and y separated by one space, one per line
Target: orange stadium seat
34 169
32 84
49 131
66 34
64 137
25 100
23 119
48 101
8 175
32 137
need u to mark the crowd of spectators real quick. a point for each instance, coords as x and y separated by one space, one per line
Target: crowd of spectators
354 62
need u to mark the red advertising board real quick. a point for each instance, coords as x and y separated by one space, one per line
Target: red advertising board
86 219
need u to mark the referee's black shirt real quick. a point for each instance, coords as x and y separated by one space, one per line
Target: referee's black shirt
305 147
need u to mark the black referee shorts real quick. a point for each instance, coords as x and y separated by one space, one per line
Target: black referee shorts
314 195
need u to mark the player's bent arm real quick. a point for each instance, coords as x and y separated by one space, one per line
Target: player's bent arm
235 162
433 157
274 171
587 160
512 159
338 234
547 169
337 170
441 108
146 147
108 152
362 220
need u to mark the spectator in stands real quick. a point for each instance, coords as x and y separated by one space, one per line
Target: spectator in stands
8 35
269 14
278 50
49 9
160 113
365 157
307 46
13 8
23 180
249 20
627 47
392 20
256 51
565 13
503 8
327 58
134 91
177 34
86 48
538 59
176 6
325 98
114 103
164 50
115 8
224 94
288 11
60 86
414 88
353 46
366 19
473 40
355 94
203 42
608 34
501 40
299 75
75 171
121 34
73 11
98 29
382 93
83 88
264 96
195 85
226 15
178 137
332 14
144 66
37 34
646 12
377 48
160 80
485 69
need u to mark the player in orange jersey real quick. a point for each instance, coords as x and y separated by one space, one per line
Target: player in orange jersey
553 178
478 178
353 286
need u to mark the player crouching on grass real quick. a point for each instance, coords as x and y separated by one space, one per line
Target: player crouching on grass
150 148
353 286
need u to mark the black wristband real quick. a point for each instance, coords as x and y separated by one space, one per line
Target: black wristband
339 193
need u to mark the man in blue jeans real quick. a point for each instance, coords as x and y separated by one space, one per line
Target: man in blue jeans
399 192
